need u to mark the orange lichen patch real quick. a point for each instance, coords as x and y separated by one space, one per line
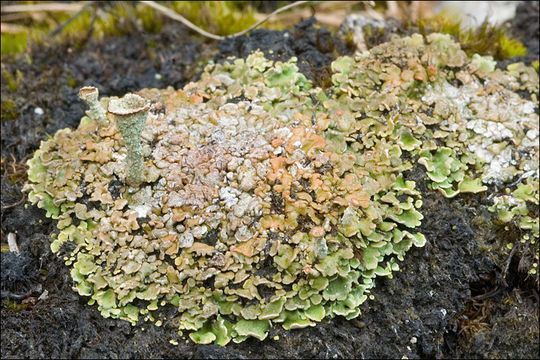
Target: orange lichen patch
277 142
323 121
245 248
432 72
312 143
102 194
108 131
169 238
276 163
192 222
99 152
360 198
420 75
87 128
195 99
121 222
302 119
310 211
296 139
120 203
321 188
201 249
316 181
95 156
407 75
278 173
340 200
392 77
172 249
304 196
317 231
175 100
90 145
273 222
284 188
178 215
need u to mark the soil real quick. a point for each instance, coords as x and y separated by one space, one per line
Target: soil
525 27
461 295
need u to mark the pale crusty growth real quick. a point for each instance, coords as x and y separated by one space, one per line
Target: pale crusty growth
268 201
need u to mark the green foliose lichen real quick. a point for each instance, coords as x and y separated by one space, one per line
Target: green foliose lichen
269 201
520 207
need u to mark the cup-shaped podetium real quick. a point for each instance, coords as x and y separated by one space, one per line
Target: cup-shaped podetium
129 114
96 112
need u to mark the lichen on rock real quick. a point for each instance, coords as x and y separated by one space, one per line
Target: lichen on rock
266 200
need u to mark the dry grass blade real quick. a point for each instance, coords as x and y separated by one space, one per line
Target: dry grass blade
12 28
21 201
277 11
57 6
76 15
175 16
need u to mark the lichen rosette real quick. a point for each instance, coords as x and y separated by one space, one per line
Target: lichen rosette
265 200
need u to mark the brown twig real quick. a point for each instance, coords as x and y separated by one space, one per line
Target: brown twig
507 265
15 204
487 295
275 12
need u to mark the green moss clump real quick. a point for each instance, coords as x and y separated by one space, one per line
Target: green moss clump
217 17
8 110
487 39
13 43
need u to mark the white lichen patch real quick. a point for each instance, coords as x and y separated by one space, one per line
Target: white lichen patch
264 200
493 121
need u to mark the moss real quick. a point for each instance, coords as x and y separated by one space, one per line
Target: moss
511 47
536 65
151 22
71 81
12 81
8 110
218 17
13 43
14 306
487 39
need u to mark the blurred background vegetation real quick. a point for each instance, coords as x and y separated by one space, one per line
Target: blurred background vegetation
27 22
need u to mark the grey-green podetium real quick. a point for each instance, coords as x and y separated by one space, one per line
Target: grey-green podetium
129 114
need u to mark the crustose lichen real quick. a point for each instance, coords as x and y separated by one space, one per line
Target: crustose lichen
263 200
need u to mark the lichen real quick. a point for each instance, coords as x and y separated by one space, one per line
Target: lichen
269 201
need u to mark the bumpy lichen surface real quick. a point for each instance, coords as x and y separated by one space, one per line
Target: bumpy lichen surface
267 201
